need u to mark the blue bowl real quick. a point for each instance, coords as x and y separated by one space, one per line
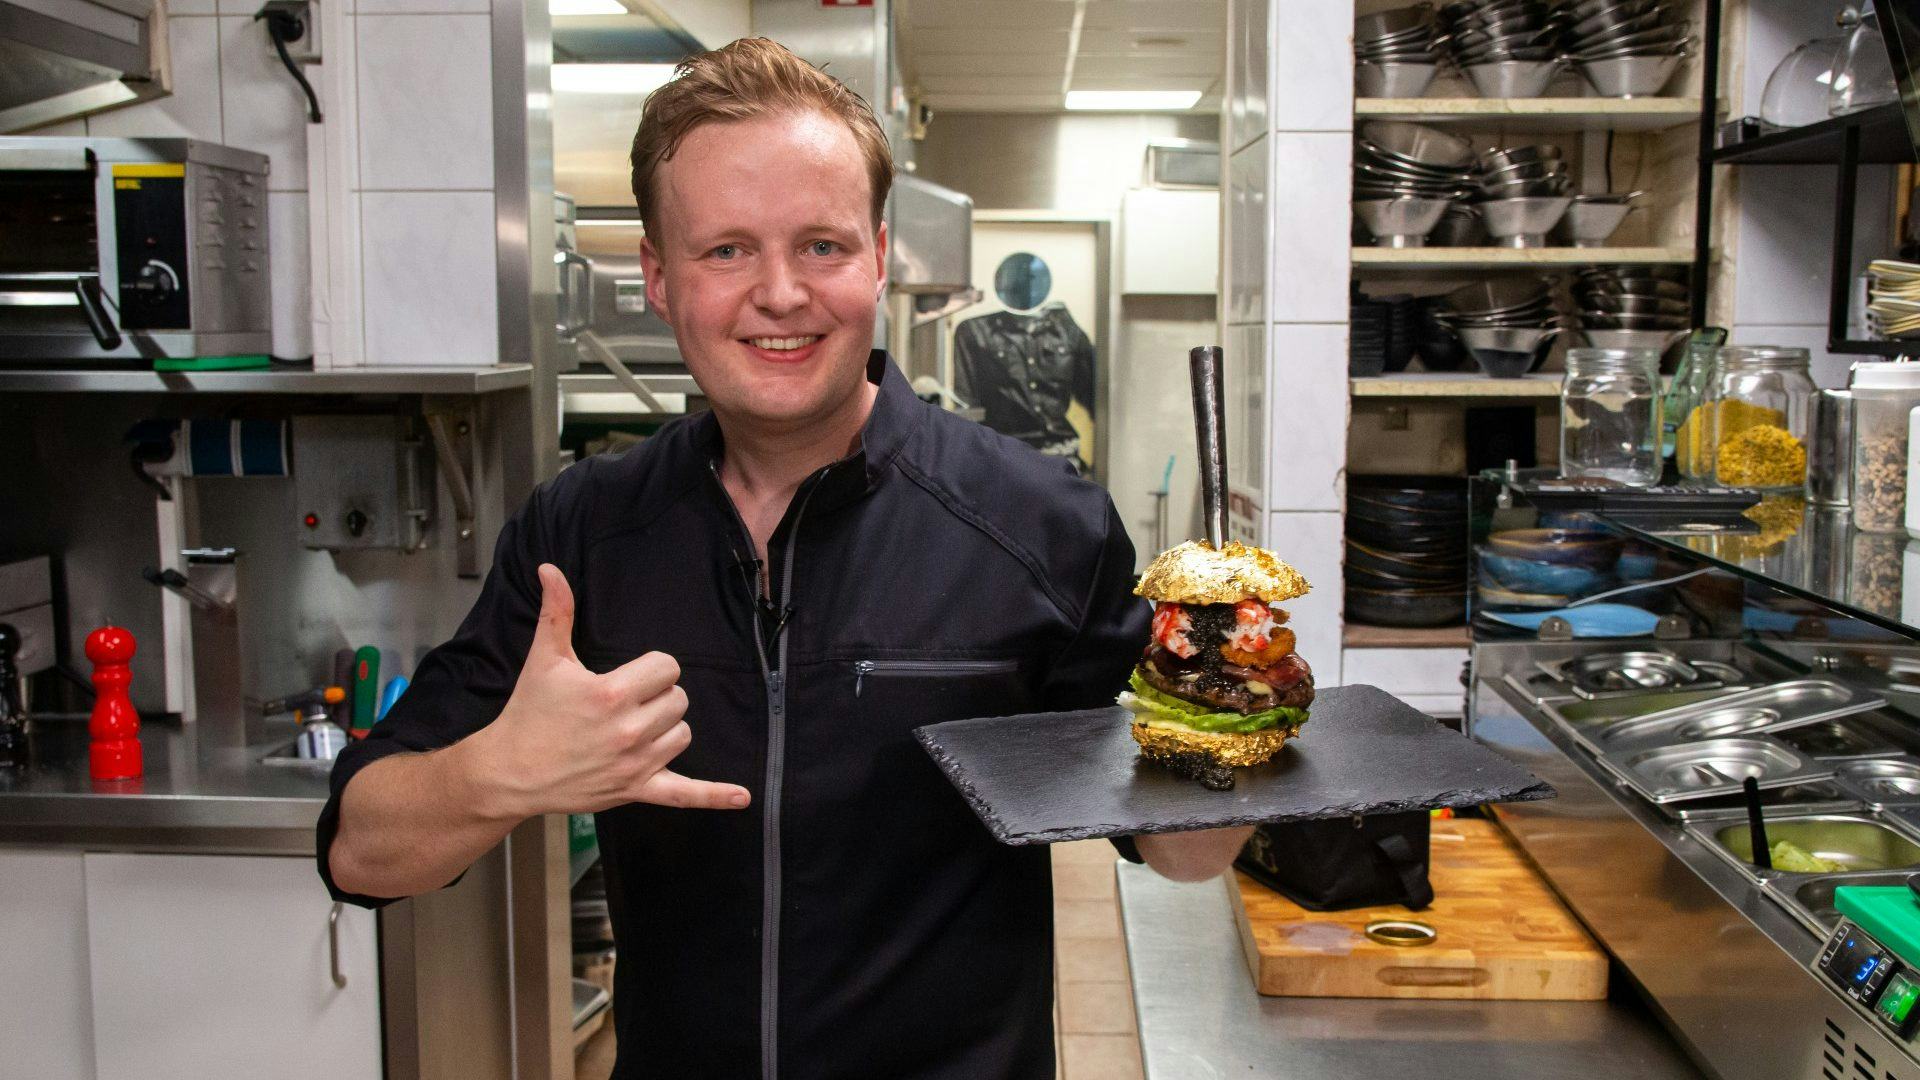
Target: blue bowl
1638 566
1528 576
1562 547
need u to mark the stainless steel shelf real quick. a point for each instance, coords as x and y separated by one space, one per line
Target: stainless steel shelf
1539 114
1456 384
1494 258
374 380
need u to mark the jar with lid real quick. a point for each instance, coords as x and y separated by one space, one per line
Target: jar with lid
1762 402
1610 415
1884 397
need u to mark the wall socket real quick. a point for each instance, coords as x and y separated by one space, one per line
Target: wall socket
304 49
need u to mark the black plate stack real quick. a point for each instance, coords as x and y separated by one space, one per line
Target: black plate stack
1380 335
1406 551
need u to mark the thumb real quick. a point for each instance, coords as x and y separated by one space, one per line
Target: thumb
553 634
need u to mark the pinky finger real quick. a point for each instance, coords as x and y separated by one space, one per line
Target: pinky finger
668 788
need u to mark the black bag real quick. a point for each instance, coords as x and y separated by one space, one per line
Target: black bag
1344 863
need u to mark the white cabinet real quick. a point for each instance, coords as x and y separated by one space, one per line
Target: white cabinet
222 968
1170 241
45 1032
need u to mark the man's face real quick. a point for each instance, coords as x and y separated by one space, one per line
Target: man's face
769 265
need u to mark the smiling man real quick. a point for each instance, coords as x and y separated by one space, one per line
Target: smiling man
769 598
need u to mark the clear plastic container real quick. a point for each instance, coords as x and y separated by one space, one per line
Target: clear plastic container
1863 74
1610 415
1760 412
1796 93
1884 396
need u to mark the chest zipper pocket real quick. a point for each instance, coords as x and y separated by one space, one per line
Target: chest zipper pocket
868 669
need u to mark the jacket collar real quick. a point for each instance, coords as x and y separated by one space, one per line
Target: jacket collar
897 413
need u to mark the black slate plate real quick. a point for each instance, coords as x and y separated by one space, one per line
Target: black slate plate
1044 778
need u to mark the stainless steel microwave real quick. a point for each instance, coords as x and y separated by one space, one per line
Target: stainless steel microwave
130 251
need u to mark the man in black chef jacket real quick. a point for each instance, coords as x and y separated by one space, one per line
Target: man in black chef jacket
769 598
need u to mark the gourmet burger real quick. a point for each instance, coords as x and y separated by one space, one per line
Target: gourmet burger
1219 685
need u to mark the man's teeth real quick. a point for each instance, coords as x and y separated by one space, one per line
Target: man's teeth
783 344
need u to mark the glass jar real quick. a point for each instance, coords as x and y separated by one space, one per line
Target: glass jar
1884 397
1687 418
1762 399
1610 415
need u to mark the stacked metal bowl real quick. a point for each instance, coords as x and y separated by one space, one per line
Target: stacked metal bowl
1404 178
1622 307
1522 192
1395 54
1626 48
1592 219
1506 48
1507 323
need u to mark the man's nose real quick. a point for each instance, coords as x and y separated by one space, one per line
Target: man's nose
782 288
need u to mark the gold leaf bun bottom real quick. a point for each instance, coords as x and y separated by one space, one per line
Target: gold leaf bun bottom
1226 748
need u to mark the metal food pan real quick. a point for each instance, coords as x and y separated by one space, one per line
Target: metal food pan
1810 899
1637 671
1861 842
1844 739
1697 770
1887 781
1584 719
1812 797
1759 711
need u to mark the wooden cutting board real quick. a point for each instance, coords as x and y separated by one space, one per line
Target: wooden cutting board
1501 934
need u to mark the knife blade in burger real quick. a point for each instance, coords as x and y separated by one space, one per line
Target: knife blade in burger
1219 685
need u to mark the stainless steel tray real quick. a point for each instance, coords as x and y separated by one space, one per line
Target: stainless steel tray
1672 773
1810 899
1602 675
1584 720
1842 739
1741 713
1812 797
1889 781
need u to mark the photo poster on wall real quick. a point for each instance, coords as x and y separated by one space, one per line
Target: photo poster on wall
1030 369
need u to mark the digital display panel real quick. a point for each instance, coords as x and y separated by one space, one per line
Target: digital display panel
1860 965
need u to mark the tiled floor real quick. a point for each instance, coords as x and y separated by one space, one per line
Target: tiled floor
1093 1002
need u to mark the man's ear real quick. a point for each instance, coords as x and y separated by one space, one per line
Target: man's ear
654 269
880 264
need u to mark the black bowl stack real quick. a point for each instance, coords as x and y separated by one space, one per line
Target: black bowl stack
1380 333
1406 551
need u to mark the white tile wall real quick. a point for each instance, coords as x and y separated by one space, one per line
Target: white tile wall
292 275
1786 230
1245 241
424 7
193 109
1405 671
1249 55
1246 385
1311 233
429 277
263 107
426 105
1829 369
1312 544
1309 422
1313 68
176 8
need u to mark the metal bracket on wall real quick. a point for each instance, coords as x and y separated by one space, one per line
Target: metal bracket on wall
454 447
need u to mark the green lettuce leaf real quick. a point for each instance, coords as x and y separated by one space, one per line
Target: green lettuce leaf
1145 701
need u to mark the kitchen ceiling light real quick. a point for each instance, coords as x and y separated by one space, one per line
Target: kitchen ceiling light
610 78
1132 100
586 7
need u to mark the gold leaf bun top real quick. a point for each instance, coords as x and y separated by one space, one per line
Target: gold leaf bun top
1195 573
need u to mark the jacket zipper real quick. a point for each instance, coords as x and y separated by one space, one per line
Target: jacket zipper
775 676
864 668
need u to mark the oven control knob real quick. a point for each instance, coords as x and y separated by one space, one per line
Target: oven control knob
156 278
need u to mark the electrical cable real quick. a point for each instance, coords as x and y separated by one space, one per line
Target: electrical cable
283 27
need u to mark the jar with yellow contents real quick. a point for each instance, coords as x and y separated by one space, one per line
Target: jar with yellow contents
1760 417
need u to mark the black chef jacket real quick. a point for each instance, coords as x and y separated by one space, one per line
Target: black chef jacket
857 920
1025 370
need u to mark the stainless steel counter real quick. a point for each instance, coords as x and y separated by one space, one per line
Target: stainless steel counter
192 796
1200 1018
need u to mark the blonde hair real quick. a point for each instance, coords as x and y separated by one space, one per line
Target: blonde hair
747 79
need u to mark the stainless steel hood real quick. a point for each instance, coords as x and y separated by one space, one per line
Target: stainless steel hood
65 58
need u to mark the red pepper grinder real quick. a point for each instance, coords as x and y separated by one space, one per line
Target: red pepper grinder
114 725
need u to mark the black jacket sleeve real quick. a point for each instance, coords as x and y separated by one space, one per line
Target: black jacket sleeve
460 686
1094 666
